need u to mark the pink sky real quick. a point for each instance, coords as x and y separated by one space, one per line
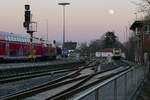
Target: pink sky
85 19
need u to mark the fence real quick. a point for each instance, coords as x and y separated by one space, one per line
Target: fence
120 87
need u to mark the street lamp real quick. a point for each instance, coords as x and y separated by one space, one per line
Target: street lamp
64 26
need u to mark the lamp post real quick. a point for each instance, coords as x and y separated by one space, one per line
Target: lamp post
64 26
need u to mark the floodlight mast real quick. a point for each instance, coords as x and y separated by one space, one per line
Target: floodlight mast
64 4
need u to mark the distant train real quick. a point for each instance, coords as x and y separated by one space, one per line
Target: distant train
18 47
116 53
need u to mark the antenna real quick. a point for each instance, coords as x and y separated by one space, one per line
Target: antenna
47 28
135 16
28 2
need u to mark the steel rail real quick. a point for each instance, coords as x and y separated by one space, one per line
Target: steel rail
65 94
33 75
43 87
13 72
56 83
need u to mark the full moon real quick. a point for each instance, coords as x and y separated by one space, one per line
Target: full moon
111 11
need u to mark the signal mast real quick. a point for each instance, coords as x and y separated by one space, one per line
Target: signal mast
30 27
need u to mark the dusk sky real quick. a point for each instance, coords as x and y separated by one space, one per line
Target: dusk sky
85 19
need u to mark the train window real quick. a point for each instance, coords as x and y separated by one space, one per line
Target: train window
2 45
8 38
25 40
20 53
13 52
15 38
18 39
16 52
26 52
22 39
117 53
12 38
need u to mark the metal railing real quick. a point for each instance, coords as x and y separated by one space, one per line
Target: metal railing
120 87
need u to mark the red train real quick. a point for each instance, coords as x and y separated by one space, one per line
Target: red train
18 47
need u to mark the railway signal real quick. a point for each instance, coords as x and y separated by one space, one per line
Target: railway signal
27 17
30 26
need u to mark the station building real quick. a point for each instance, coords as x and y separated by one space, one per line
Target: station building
141 32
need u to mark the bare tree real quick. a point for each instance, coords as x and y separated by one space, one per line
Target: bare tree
143 6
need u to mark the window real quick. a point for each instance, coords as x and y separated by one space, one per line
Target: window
20 39
13 52
147 29
2 45
26 53
12 38
8 38
15 38
137 30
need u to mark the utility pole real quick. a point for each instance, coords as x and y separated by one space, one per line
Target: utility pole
64 23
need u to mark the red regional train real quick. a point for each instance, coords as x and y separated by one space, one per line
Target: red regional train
14 47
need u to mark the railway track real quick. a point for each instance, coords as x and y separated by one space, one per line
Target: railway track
64 95
74 77
35 72
26 77
22 73
18 80
74 80
53 83
33 75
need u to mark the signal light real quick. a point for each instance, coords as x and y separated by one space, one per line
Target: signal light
27 7
27 16
26 24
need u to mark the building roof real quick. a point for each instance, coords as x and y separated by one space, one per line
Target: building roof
70 45
136 24
107 50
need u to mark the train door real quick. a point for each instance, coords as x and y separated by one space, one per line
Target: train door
2 48
7 49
